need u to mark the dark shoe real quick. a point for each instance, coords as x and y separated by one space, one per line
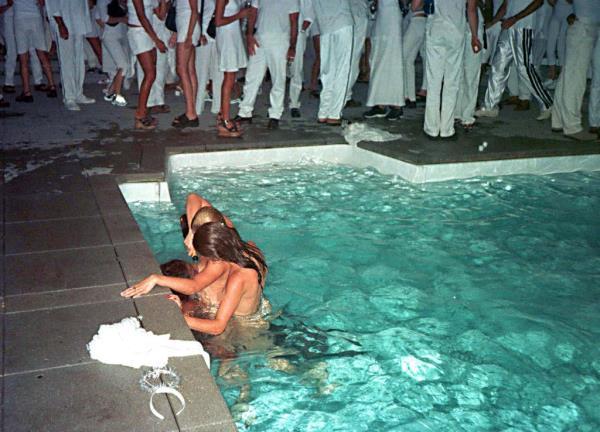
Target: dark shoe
375 112
51 93
4 104
411 104
295 112
557 130
183 121
273 124
24 98
41 87
228 129
315 94
523 105
242 120
8 89
595 130
333 122
512 100
352 104
394 114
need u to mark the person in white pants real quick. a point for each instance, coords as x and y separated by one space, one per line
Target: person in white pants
297 68
92 46
515 45
386 61
273 45
583 38
469 83
72 21
207 63
336 27
444 48
361 15
557 39
412 42
30 35
10 60
492 32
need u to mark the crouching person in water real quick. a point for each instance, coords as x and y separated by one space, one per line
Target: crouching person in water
234 277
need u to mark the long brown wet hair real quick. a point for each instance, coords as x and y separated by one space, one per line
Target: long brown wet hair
215 241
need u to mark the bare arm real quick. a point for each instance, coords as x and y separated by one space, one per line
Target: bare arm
221 19
474 25
531 8
144 21
499 15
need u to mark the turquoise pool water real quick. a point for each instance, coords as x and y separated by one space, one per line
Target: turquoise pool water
464 305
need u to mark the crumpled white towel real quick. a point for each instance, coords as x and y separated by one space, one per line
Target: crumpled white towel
125 343
357 132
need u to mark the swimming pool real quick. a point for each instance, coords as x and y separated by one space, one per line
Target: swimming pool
463 305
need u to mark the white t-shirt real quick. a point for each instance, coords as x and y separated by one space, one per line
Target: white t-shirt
587 10
516 6
452 10
332 15
132 17
26 8
562 10
184 5
274 16
306 11
209 11
75 15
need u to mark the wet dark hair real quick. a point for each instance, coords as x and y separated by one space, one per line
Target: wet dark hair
215 241
178 268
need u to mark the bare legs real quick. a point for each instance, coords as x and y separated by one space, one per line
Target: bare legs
316 67
226 89
96 47
147 61
186 69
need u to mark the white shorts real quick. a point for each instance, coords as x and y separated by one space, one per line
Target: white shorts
28 34
182 20
139 40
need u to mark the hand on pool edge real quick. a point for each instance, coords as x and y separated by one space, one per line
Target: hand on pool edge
140 288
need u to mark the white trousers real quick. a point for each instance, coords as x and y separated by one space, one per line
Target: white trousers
444 51
115 48
335 71
413 40
297 71
358 46
557 41
271 54
491 35
207 68
566 112
10 62
469 83
72 66
515 46
516 86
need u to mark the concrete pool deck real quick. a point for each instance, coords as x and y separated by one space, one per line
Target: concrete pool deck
70 245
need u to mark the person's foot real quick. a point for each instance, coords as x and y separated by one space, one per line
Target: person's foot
41 87
23 97
352 104
295 113
595 130
375 112
241 120
160 109
51 93
273 124
511 100
119 101
484 112
545 114
422 95
467 127
523 105
411 104
182 121
109 97
333 122
8 89
71 105
145 123
582 136
394 114
4 104
84 100
228 129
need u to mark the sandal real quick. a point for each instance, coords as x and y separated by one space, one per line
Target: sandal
51 93
228 129
468 127
145 123
183 121
41 87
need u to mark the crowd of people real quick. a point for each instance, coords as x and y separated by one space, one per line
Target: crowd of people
206 45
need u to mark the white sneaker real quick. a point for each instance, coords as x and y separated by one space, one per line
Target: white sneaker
84 100
72 105
545 114
484 112
109 97
119 100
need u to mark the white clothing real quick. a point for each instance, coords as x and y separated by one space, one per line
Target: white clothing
587 10
594 105
516 6
492 35
116 46
453 11
207 68
29 33
274 16
132 17
76 16
566 112
10 60
297 70
557 33
386 86
335 71
332 15
271 54
184 5
230 44
413 41
139 40
360 14
209 11
72 67
444 51
182 19
26 8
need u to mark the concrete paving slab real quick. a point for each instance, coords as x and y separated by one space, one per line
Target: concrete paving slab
50 205
56 176
62 270
122 228
110 200
53 235
87 398
41 339
64 298
160 315
137 261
